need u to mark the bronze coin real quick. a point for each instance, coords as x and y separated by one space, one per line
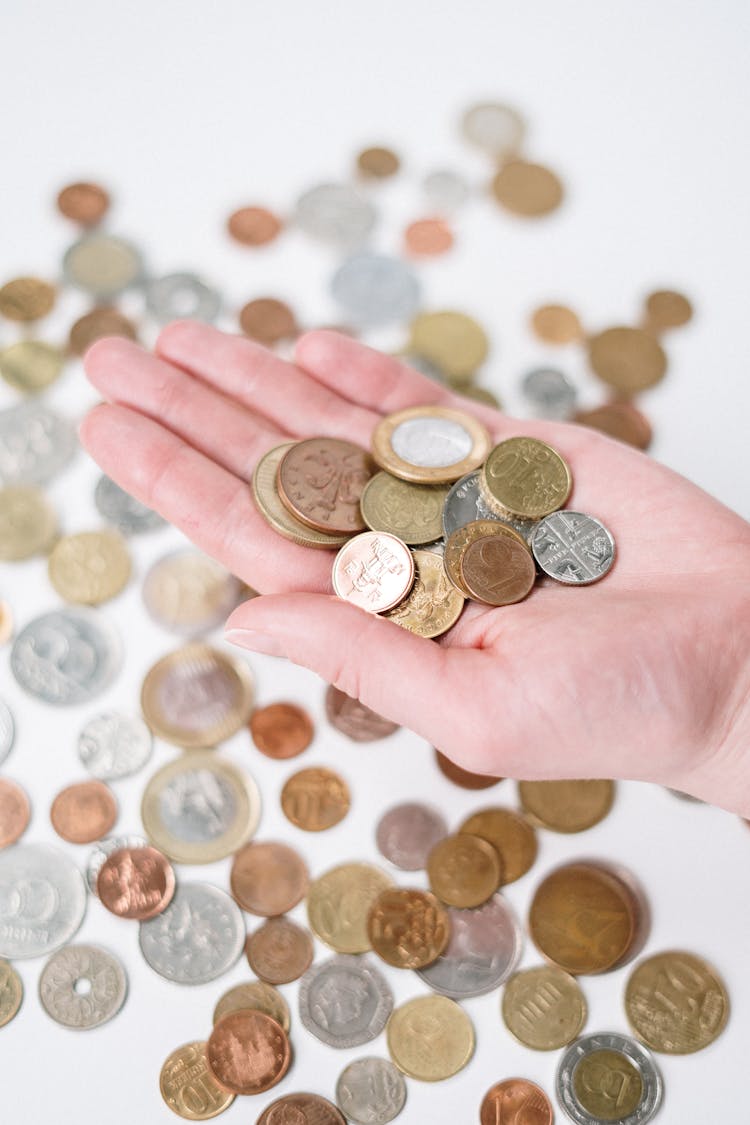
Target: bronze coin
14 812
268 320
320 481
556 324
618 419
377 163
254 226
136 883
281 730
428 237
248 1052
279 951
353 719
408 928
639 906
465 779
268 878
566 806
497 570
666 309
84 203
84 812
527 189
464 870
516 1101
26 299
104 321
629 359
510 834
315 799
301 1109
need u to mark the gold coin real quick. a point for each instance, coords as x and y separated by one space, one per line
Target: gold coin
30 365
429 444
526 477
527 189
510 834
255 994
456 343
339 902
457 543
667 309
276 514
556 324
188 592
28 524
544 1008
11 992
89 568
189 1088
433 605
676 1002
200 808
315 799
197 696
408 928
464 870
26 298
430 1038
413 512
567 806
607 1085
377 163
628 359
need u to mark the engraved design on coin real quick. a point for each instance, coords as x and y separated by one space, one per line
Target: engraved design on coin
102 850
676 1002
573 548
432 442
465 504
371 1091
119 508
182 295
526 477
42 900
434 604
373 289
36 444
197 806
374 571
484 948
66 657
197 938
544 1008
344 1001
112 745
82 986
7 731
188 1087
610 1083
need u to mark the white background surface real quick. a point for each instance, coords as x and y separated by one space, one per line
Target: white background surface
189 110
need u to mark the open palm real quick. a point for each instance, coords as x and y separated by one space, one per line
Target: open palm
645 675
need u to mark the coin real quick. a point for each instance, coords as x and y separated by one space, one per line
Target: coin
483 395
30 365
301 1109
676 1002
629 359
7 730
281 730
28 523
26 299
65 657
496 128
406 833
336 214
608 1077
254 226
556 324
445 190
353 719
254 996
274 511
268 878
82 986
197 938
434 605
465 504
112 746
525 477
103 265
412 512
483 950
177 295
375 289
374 571
377 163
315 799
497 570
427 237
188 1087
344 1001
135 882
101 321
128 515
463 870
36 444
84 812
573 548
102 850
430 1038
567 806
11 992
510 834
371 1091
200 808
544 1008
279 951
6 632
465 779
89 568
407 928
189 593
459 541
197 696
550 393
84 203
320 481
15 812
429 444
43 900
456 343
516 1101
619 420
527 189
248 1052
667 309
268 320
339 902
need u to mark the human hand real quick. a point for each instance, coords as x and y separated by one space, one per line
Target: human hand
645 675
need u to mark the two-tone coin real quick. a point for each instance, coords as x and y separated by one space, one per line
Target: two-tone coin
608 1077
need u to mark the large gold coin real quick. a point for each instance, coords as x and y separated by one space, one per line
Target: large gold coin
26 298
629 359
276 514
30 365
567 806
315 799
189 1088
434 604
676 1002
456 343
556 324
526 477
544 1008
89 568
464 870
28 523
408 928
430 1038
429 444
11 992
457 543
255 994
339 902
510 834
527 189
413 512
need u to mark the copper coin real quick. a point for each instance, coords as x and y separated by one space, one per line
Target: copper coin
567 806
104 321
268 878
497 570
301 1109
510 834
315 799
465 779
84 812
14 812
136 883
629 359
667 309
254 226
321 480
281 730
464 870
556 324
527 189
377 163
26 298
353 719
374 571
255 995
279 951
84 203
268 320
408 928
619 420
248 1052
516 1101
426 237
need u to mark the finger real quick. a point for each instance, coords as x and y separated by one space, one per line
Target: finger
123 372
214 508
255 377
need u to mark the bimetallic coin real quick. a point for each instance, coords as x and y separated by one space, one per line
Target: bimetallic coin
374 571
84 203
525 477
36 444
550 393
83 812
257 996
275 512
406 833
15 812
30 365
377 163
374 289
566 806
465 504
608 1077
456 343
7 731
544 1008
510 834
11 992
180 295
42 900
496 128
189 593
413 512
676 1002
433 605
82 986
89 568
573 548
335 213
135 883
279 951
667 309
445 191
103 849
320 481
527 189
497 570
371 1091
254 226
353 719
430 1038
629 359
556 324
268 878
28 523
315 799
26 299
484 948
103 265
66 657
429 444
197 938
344 1001
101 321
281 730
248 1052
339 902
119 508
464 870
407 928
188 1087
516 1101
112 745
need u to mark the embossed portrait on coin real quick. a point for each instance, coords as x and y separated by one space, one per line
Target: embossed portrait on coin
340 1000
197 806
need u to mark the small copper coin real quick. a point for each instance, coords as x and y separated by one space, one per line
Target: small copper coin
104 321
527 189
136 883
268 320
667 309
26 299
465 779
464 870
320 481
619 420
268 878
457 543
497 570
629 359
279 951
510 834
15 812
301 1109
516 1101
83 203
428 237
281 730
84 812
315 799
353 719
377 163
556 324
254 226
374 571
248 1052
408 928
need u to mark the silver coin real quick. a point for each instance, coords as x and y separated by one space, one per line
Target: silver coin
573 548
7 731
36 443
371 1091
498 129
102 850
344 1001
198 806
122 510
82 986
464 504
189 593
42 900
197 938
550 393
112 745
335 213
374 289
102 264
65 657
484 948
407 833
445 191
178 295
637 1055
431 442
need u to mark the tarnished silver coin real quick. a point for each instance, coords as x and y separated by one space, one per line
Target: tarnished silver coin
42 900
464 504
445 191
113 745
65 657
573 548
371 1091
407 833
335 213
7 731
550 393
102 264
484 948
630 1094
189 593
102 850
36 443
375 289
344 1001
197 938
82 986
498 129
179 295
123 511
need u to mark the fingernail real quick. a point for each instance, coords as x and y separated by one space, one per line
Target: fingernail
257 642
